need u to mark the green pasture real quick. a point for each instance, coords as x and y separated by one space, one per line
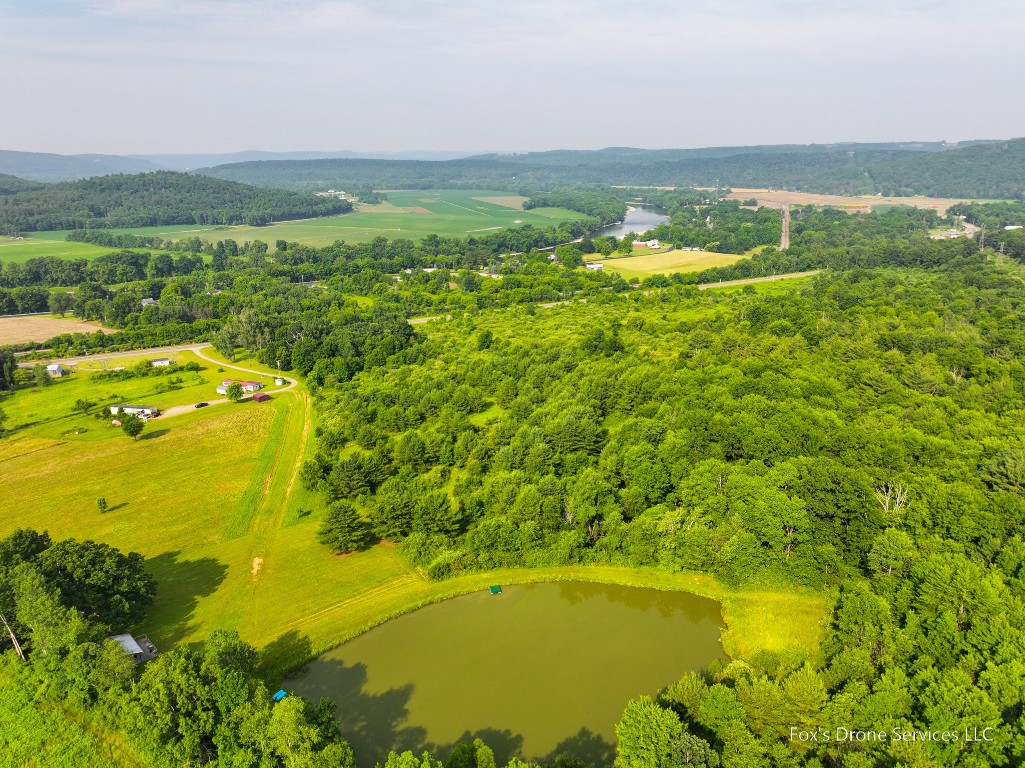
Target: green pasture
40 244
413 215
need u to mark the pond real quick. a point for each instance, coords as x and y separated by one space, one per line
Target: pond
536 669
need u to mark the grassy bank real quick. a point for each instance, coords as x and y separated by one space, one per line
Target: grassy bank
755 619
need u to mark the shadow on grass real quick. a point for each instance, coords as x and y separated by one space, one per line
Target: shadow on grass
154 435
290 651
180 586
116 507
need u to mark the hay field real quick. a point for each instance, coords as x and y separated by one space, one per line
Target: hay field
666 263
852 203
456 213
19 330
39 244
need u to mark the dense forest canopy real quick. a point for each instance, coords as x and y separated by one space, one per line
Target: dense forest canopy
151 199
11 185
985 170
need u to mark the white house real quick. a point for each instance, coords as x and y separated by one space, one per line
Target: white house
654 244
142 411
595 267
149 302
247 386
160 362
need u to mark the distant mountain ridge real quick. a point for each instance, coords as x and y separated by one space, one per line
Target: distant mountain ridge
48 167
969 170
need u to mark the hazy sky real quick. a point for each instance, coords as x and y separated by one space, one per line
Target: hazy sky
148 76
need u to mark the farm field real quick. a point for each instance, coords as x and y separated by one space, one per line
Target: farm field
413 215
667 262
776 198
19 330
39 244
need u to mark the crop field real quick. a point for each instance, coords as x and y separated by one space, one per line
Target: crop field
18 330
41 244
667 262
851 203
451 213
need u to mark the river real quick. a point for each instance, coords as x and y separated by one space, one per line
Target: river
536 669
639 219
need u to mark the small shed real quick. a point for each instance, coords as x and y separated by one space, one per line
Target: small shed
260 397
495 589
140 649
278 381
148 302
161 362
56 371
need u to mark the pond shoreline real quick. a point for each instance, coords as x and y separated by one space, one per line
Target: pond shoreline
755 618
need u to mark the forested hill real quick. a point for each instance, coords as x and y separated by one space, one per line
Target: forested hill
10 185
973 171
985 171
150 199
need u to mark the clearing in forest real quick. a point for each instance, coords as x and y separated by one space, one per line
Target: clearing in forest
668 262
776 198
20 330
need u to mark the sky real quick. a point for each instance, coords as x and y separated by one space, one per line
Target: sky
170 76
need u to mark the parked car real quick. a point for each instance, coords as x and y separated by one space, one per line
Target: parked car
201 405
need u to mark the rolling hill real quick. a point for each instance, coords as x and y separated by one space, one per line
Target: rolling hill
151 199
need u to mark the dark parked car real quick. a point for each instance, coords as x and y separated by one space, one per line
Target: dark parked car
201 405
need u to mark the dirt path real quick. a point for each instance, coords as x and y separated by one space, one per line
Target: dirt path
156 351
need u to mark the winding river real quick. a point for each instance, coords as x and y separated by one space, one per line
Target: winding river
639 219
536 669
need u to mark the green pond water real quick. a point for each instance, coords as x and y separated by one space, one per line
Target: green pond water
537 669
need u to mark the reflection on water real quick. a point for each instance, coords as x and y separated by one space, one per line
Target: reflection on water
537 669
638 221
